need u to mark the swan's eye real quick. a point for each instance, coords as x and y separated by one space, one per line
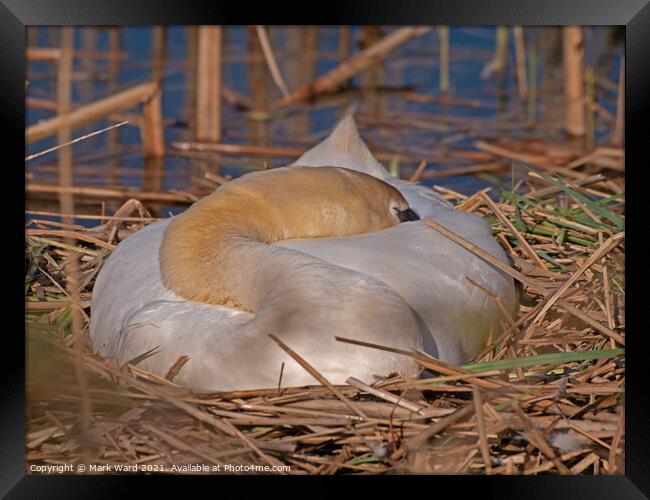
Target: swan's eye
407 215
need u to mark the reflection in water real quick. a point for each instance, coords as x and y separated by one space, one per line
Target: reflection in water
154 170
299 69
400 104
258 84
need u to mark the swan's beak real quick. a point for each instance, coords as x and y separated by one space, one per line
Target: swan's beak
407 215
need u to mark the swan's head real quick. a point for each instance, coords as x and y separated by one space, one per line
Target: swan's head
362 198
382 197
301 202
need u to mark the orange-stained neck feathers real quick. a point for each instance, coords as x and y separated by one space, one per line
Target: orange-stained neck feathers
200 248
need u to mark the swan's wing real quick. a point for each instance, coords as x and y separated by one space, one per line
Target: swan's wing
128 280
129 285
210 336
429 272
133 314
235 353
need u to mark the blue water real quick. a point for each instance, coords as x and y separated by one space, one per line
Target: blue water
415 65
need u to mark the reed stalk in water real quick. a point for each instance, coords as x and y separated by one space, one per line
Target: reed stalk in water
208 93
574 87
520 58
443 37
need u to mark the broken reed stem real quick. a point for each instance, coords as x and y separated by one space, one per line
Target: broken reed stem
124 194
314 373
90 113
510 226
387 396
414 442
370 35
520 58
208 84
426 361
115 51
271 62
64 97
54 53
608 298
87 64
501 59
573 53
609 245
590 124
357 63
443 37
480 424
179 444
113 142
613 450
158 54
438 366
151 124
608 332
494 166
536 438
532 159
268 459
618 132
485 256
175 369
73 141
258 82
418 171
495 298
191 70
532 80
345 37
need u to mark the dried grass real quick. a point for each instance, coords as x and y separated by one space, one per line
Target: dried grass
551 386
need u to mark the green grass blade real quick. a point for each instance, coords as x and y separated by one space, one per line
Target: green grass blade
542 359
364 460
617 220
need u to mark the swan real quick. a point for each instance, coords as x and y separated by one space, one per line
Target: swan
330 245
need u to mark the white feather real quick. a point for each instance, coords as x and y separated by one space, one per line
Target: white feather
132 311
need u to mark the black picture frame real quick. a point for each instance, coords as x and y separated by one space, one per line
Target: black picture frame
15 15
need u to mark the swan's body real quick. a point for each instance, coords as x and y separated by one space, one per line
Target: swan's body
354 272
205 251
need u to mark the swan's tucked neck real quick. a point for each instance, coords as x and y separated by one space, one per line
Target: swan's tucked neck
217 251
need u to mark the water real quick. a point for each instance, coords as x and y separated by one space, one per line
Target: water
413 66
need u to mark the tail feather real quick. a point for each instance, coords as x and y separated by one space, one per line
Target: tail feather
343 148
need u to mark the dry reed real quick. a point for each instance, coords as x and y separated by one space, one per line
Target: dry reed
544 397
551 385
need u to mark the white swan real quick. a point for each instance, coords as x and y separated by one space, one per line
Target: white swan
213 282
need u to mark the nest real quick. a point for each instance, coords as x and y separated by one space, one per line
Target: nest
546 396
